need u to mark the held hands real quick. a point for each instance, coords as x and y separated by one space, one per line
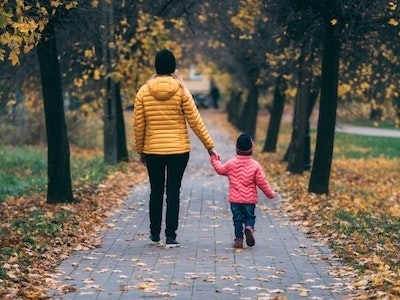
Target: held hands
213 152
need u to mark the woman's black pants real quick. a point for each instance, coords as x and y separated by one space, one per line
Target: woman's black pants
165 174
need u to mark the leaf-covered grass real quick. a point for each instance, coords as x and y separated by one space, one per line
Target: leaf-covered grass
360 218
36 236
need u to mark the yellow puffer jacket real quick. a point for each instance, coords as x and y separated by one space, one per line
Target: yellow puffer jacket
161 111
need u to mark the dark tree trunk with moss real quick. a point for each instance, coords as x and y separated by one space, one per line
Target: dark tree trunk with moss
59 178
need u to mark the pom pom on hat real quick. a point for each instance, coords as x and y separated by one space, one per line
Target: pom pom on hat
244 145
165 62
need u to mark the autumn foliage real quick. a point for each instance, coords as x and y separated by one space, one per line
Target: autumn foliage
36 236
360 219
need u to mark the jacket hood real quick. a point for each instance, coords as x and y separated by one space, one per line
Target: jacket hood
163 87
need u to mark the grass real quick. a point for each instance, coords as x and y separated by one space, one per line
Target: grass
24 170
351 146
360 146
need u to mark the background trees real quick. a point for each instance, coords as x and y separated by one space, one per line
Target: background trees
29 25
246 44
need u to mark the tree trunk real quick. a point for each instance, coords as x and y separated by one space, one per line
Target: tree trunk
115 149
121 135
59 177
233 106
319 180
276 115
248 118
296 154
314 91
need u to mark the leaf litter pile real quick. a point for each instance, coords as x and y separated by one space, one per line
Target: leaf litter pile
35 236
360 220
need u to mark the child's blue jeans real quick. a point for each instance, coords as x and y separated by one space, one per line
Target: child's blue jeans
243 214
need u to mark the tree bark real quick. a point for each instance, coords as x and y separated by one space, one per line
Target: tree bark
122 150
296 153
320 173
115 149
248 118
59 176
296 150
276 115
233 106
314 92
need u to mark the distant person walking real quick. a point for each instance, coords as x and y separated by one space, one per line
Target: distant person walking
163 107
215 95
245 175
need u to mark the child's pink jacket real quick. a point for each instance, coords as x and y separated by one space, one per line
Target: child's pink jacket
245 175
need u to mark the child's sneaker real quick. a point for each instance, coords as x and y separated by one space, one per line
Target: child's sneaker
172 243
238 243
248 231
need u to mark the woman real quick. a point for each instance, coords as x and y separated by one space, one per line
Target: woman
163 108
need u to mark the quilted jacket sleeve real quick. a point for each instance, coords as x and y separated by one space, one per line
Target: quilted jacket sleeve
262 183
218 166
196 122
139 122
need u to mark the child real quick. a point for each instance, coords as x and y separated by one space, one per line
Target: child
245 175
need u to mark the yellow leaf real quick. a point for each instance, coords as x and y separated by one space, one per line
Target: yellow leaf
88 53
55 3
393 22
303 293
13 57
97 74
28 48
361 283
13 258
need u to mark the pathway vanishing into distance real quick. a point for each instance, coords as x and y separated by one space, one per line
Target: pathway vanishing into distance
283 264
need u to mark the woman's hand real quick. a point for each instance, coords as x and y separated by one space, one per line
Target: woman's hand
143 158
213 152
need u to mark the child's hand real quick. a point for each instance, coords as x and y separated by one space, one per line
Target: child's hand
276 199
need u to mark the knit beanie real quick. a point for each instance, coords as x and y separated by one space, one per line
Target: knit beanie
244 145
165 62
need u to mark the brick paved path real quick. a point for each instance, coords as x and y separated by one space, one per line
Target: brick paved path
284 263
